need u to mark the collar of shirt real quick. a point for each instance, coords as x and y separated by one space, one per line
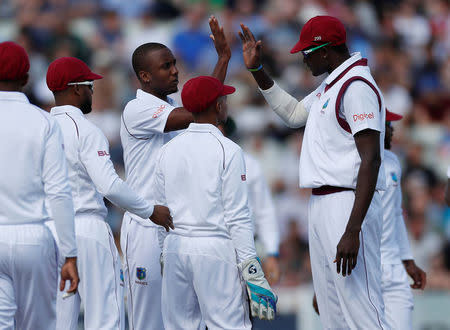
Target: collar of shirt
195 127
336 72
65 108
150 98
13 96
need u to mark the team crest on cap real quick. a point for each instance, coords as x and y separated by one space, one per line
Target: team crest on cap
141 273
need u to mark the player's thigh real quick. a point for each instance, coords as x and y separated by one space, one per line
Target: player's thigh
35 275
99 266
219 288
180 308
397 296
143 276
7 297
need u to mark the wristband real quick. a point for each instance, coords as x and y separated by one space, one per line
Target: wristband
255 69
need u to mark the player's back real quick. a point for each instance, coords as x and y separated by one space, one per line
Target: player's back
193 166
24 130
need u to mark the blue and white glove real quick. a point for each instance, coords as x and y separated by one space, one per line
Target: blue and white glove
263 301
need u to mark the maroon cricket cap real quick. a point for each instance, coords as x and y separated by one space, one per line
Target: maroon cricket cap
14 61
390 116
66 70
199 93
320 30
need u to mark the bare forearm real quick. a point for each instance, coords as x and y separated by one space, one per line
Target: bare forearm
365 188
220 70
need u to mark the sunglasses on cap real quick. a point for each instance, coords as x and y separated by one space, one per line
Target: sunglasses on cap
309 51
87 83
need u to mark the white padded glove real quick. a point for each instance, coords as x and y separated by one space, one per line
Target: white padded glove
263 301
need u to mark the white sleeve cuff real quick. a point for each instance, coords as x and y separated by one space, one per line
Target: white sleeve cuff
287 107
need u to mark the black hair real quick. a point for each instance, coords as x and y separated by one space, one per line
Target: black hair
139 55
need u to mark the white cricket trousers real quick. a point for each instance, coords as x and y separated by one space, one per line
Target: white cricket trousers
100 288
355 301
28 277
398 298
202 285
140 247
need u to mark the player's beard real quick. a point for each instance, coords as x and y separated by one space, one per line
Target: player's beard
86 106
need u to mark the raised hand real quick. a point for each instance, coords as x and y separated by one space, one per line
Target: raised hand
161 216
218 37
251 49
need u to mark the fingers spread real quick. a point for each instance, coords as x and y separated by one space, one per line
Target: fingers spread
241 36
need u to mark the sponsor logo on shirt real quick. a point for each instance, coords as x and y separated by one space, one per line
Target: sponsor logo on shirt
252 269
102 153
159 111
141 274
243 177
394 178
324 106
363 116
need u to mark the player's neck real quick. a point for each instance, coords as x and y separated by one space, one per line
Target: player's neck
337 60
10 86
206 117
158 94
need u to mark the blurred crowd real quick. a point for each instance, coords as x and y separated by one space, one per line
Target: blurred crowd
406 42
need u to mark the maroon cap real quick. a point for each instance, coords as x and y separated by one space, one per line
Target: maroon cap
199 93
390 116
66 70
14 61
320 30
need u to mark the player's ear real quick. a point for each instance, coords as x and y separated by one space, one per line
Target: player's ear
145 77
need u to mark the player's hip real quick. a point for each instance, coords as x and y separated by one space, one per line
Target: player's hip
208 247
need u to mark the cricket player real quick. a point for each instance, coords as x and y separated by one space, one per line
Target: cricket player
32 169
396 258
262 210
92 176
201 177
148 121
341 159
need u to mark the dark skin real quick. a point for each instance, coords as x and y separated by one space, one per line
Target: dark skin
69 271
321 61
161 79
415 272
216 114
80 96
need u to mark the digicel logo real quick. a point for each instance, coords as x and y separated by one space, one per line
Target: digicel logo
363 116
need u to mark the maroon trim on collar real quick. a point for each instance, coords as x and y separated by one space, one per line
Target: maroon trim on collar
342 122
361 62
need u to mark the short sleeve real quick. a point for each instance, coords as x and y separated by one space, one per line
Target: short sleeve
360 108
141 122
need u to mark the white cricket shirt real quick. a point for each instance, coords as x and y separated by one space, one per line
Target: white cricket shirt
142 134
394 239
91 171
347 102
33 169
201 178
262 210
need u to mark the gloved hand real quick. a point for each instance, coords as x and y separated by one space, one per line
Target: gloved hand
263 301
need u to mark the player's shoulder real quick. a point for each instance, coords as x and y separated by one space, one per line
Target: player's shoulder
146 102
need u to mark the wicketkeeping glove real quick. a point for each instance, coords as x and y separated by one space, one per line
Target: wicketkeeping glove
263 301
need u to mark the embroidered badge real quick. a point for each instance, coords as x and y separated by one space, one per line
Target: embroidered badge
141 273
324 106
